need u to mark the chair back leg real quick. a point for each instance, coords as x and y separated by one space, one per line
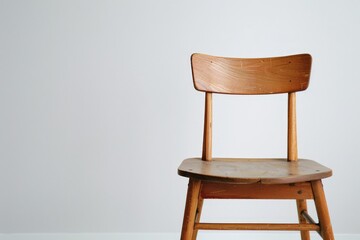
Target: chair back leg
302 206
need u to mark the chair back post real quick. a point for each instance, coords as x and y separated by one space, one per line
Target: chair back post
207 141
292 136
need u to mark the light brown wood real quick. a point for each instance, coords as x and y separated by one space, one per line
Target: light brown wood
322 210
257 226
190 209
309 219
251 76
250 170
302 207
207 142
198 215
256 191
249 178
292 136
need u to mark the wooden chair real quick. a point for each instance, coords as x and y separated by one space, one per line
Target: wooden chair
244 178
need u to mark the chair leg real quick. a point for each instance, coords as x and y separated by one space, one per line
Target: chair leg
322 210
302 206
190 209
198 215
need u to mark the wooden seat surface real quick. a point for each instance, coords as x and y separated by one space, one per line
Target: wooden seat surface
250 170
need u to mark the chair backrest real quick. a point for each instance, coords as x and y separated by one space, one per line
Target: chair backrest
251 76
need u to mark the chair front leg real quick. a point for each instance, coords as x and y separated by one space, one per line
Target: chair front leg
191 206
198 215
322 210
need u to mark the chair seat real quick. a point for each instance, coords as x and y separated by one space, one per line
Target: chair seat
249 170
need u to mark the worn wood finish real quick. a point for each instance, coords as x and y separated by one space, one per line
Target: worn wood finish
256 191
251 76
261 178
258 226
302 207
322 210
248 170
207 142
190 209
292 138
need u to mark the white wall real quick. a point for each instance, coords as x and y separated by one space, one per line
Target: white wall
97 108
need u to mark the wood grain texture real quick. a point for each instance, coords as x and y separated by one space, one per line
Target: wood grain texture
248 170
215 190
292 133
207 141
322 210
252 75
301 206
260 178
190 209
258 226
198 214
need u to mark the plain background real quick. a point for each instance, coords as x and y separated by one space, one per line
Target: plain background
97 108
